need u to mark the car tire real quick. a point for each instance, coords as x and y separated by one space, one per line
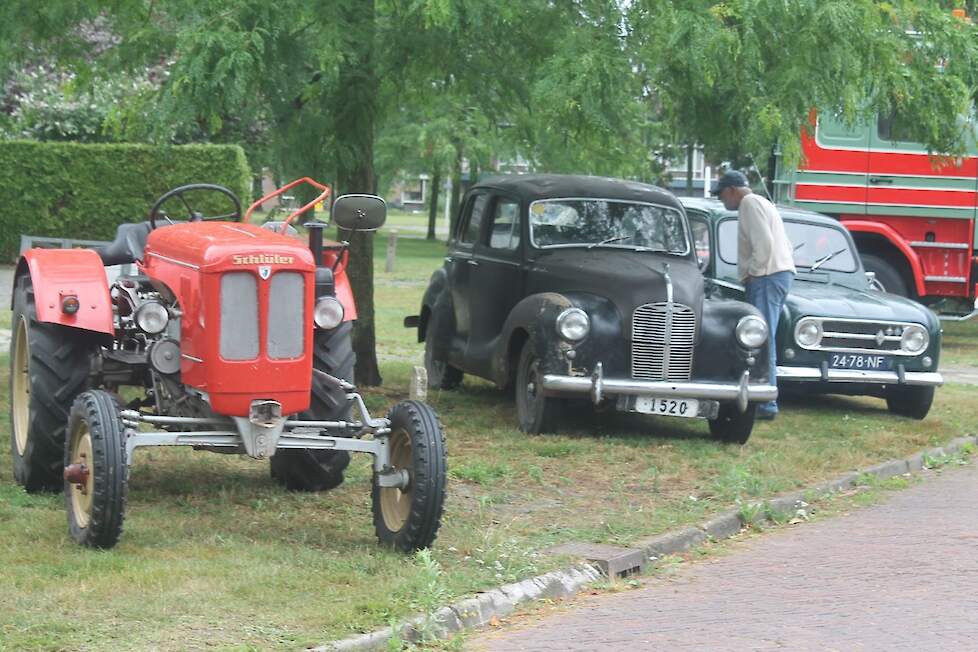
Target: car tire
441 374
95 439
49 366
536 413
733 426
911 402
887 276
408 519
303 469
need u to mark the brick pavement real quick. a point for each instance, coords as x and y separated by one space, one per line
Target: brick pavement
902 575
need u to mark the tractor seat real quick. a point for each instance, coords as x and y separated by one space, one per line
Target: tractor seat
130 240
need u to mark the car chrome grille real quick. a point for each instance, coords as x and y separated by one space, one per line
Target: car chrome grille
859 336
662 341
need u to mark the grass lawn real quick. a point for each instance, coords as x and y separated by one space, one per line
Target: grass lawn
214 555
959 345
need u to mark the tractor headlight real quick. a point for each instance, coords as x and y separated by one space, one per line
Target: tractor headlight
751 331
914 339
573 324
808 333
152 317
328 313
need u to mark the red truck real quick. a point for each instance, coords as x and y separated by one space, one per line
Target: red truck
912 214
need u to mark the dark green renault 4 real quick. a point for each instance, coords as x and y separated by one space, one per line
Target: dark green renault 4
838 334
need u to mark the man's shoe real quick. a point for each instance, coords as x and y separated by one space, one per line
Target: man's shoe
765 415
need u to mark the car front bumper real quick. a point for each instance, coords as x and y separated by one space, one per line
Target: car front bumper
826 375
597 386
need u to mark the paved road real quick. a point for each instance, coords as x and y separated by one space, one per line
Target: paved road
902 575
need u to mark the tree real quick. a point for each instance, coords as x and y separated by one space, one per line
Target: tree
742 75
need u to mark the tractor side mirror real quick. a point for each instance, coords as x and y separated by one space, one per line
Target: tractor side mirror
359 212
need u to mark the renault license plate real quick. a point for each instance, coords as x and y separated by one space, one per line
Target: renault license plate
669 407
865 362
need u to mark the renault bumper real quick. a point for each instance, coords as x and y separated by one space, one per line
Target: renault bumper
826 375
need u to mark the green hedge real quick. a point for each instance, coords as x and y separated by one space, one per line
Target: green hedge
70 190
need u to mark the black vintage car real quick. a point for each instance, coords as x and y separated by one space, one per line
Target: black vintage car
837 334
586 287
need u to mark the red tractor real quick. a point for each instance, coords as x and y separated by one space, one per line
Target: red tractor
238 338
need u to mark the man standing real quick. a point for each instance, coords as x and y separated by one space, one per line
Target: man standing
765 259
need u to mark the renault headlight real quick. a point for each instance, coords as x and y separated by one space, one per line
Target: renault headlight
751 331
328 313
808 333
573 324
152 317
914 339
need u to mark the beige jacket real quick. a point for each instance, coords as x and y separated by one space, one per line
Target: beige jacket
763 247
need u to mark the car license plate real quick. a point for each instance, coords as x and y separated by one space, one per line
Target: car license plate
670 407
860 361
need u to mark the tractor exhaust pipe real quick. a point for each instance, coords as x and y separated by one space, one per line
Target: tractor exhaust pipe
315 229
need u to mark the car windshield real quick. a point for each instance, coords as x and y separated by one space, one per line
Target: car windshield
607 223
817 246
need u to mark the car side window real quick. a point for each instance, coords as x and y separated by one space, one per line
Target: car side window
470 230
504 232
701 240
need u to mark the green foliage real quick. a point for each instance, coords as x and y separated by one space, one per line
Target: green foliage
69 190
742 75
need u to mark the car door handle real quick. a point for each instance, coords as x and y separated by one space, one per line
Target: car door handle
879 180
474 263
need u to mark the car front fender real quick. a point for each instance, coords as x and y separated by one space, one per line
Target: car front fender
719 356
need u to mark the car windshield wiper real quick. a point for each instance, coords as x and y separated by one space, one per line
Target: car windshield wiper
617 238
826 258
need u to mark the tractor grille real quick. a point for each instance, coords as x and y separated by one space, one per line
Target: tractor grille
286 318
662 341
239 316
285 331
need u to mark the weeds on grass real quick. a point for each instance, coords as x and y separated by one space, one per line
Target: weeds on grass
433 593
750 512
485 473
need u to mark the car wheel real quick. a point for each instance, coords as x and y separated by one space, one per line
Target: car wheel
887 277
49 367
441 375
408 518
300 469
731 425
537 413
912 402
95 470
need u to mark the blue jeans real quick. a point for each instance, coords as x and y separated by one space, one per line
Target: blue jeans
767 294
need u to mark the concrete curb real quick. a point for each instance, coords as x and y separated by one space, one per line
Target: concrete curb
481 609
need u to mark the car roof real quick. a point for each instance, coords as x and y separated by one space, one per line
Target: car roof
531 187
715 208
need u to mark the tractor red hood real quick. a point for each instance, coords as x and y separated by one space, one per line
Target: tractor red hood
206 245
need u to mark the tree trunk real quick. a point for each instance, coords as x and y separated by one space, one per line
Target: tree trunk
456 190
354 111
690 150
433 206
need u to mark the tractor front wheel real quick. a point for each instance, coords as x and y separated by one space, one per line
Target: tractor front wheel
408 518
95 470
300 469
49 367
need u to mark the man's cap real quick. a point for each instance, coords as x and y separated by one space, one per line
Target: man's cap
730 179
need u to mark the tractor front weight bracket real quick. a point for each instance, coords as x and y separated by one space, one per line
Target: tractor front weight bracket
260 439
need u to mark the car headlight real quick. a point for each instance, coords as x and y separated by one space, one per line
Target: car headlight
914 339
751 331
808 333
152 317
573 324
328 313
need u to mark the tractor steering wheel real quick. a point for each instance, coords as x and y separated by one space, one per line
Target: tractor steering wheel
193 216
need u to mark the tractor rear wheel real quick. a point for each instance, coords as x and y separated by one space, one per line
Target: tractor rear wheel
407 519
95 470
303 469
49 367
